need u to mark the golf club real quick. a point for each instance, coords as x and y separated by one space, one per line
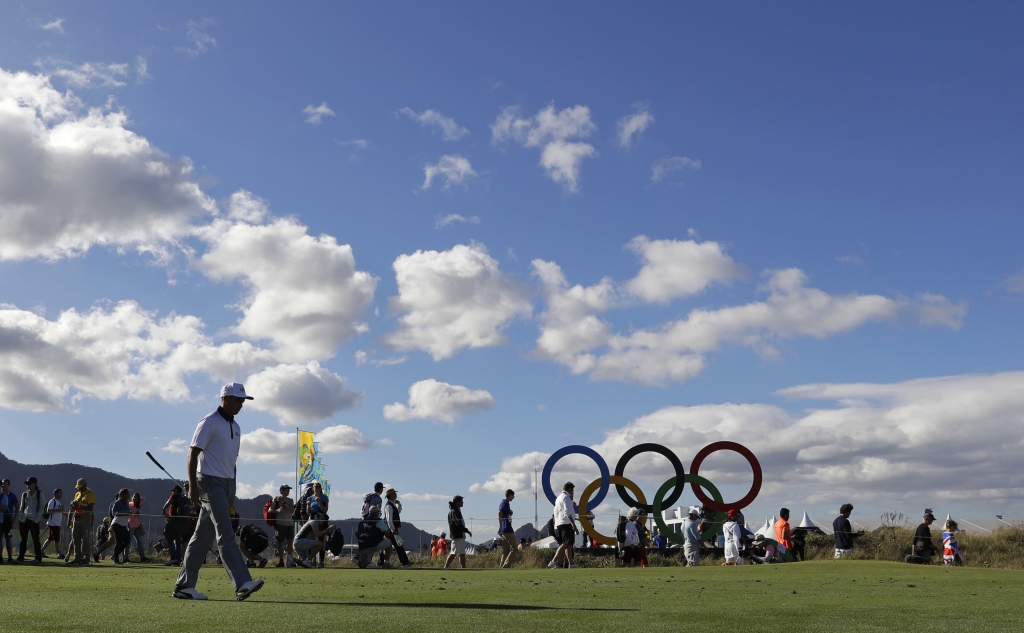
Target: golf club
150 455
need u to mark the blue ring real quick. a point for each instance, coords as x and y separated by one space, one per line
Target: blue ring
582 450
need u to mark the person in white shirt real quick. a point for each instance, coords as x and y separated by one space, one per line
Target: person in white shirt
565 526
54 518
631 546
733 534
211 477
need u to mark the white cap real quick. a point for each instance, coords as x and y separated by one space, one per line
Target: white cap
235 389
694 510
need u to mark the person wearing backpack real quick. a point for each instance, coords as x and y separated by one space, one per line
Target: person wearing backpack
282 509
54 515
31 514
111 539
620 541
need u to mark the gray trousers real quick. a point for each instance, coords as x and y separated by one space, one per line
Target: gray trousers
692 553
366 555
216 495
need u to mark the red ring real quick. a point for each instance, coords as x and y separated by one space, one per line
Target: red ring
726 446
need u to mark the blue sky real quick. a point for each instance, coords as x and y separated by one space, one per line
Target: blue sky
579 224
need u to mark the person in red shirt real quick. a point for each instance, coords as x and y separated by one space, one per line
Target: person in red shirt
782 534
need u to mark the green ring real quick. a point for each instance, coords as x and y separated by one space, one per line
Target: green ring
690 479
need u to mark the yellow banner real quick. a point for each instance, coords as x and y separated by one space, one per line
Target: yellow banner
305 457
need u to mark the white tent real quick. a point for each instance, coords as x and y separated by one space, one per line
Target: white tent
546 543
806 522
768 529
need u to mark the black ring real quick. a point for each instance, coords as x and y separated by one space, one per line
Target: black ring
620 468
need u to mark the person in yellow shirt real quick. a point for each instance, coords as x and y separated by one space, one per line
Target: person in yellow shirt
82 507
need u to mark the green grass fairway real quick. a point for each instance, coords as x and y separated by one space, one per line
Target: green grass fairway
815 596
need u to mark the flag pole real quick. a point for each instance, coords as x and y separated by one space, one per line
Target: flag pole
296 468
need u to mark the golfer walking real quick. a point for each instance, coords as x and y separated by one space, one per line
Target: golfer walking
211 478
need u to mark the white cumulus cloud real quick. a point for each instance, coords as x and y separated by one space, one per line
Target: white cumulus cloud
875 443
265 446
552 131
247 491
572 333
175 446
305 293
433 400
633 125
315 114
300 394
677 268
453 299
453 169
515 474
664 166
450 130
72 178
122 351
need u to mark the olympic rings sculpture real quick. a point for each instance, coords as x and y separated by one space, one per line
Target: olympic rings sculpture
624 486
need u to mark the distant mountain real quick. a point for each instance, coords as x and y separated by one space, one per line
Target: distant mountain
106 484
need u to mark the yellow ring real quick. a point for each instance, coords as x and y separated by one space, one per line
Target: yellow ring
585 498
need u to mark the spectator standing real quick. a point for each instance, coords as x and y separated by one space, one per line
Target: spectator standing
620 541
318 503
82 506
308 541
433 546
372 499
212 455
565 525
951 555
176 525
371 534
505 531
284 527
54 517
136 529
102 536
119 526
30 514
319 497
393 519
111 541
691 537
442 545
9 506
457 525
843 531
924 549
783 536
733 539
631 544
645 537
302 505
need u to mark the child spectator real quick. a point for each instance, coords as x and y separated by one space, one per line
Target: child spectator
951 555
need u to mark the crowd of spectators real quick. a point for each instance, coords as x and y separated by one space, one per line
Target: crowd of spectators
302 531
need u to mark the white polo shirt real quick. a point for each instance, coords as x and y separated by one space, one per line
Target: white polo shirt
565 509
219 440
